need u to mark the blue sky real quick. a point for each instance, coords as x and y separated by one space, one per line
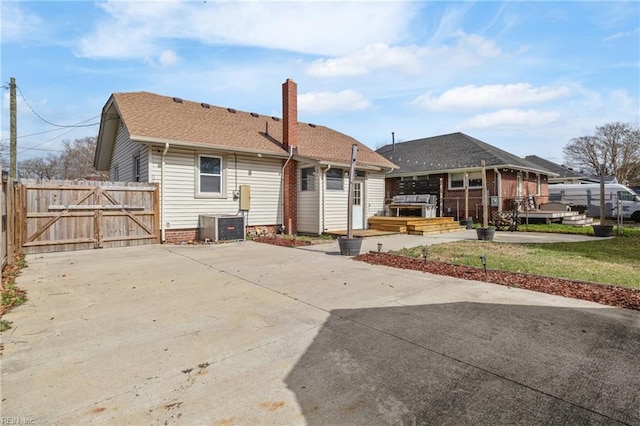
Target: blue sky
525 76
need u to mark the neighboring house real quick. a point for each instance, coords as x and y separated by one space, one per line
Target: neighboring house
201 155
564 174
455 156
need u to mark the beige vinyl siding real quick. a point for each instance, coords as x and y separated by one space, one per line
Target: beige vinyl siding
123 153
309 206
374 193
335 206
335 214
183 206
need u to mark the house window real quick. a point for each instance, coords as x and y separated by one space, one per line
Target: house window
456 180
519 185
361 174
210 175
334 179
116 173
307 179
357 193
136 168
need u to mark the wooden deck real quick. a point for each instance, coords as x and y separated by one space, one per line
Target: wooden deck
414 225
361 233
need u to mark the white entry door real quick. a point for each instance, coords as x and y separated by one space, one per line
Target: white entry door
356 209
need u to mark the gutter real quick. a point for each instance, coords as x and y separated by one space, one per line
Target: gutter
191 145
499 180
162 223
282 186
323 188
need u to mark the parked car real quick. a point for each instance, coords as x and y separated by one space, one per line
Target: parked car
587 197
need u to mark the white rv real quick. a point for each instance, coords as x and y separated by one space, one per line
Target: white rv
587 196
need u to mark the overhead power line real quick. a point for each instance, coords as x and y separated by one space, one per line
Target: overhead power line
49 122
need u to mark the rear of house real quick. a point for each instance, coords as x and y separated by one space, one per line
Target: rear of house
292 174
456 159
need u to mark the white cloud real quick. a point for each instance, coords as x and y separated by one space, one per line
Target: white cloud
467 51
373 56
319 102
137 29
510 118
18 24
493 96
168 58
632 33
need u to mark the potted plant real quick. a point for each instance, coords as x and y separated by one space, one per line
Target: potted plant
486 232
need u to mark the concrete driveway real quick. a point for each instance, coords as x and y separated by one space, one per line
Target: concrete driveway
246 333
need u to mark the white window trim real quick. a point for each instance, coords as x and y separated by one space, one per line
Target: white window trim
326 187
222 193
136 168
311 179
450 188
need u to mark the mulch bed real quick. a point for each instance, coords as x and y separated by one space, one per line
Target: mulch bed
279 241
603 294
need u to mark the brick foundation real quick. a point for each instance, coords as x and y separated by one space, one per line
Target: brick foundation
173 236
177 236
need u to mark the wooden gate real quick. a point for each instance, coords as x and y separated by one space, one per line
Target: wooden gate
68 215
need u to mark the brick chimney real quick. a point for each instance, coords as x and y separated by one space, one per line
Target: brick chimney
290 168
290 114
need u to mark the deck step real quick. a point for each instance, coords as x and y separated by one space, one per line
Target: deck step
414 225
435 231
578 220
392 228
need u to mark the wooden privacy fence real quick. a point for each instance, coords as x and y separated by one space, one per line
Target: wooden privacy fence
68 215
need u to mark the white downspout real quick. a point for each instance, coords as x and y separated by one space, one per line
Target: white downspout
499 180
323 188
162 224
282 187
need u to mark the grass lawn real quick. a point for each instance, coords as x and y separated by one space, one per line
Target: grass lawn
607 261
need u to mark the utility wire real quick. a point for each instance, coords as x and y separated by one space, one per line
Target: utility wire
48 140
49 131
47 121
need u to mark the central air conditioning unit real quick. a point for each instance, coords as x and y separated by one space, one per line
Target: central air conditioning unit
222 227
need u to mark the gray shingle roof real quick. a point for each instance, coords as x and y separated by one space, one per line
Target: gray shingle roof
455 151
561 171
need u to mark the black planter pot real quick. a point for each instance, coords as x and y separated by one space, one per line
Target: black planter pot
602 230
485 234
350 246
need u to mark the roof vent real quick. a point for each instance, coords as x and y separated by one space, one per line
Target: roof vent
253 114
205 105
177 100
312 125
275 118
231 110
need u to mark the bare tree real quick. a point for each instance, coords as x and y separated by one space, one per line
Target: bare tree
616 145
4 156
75 162
77 159
39 168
